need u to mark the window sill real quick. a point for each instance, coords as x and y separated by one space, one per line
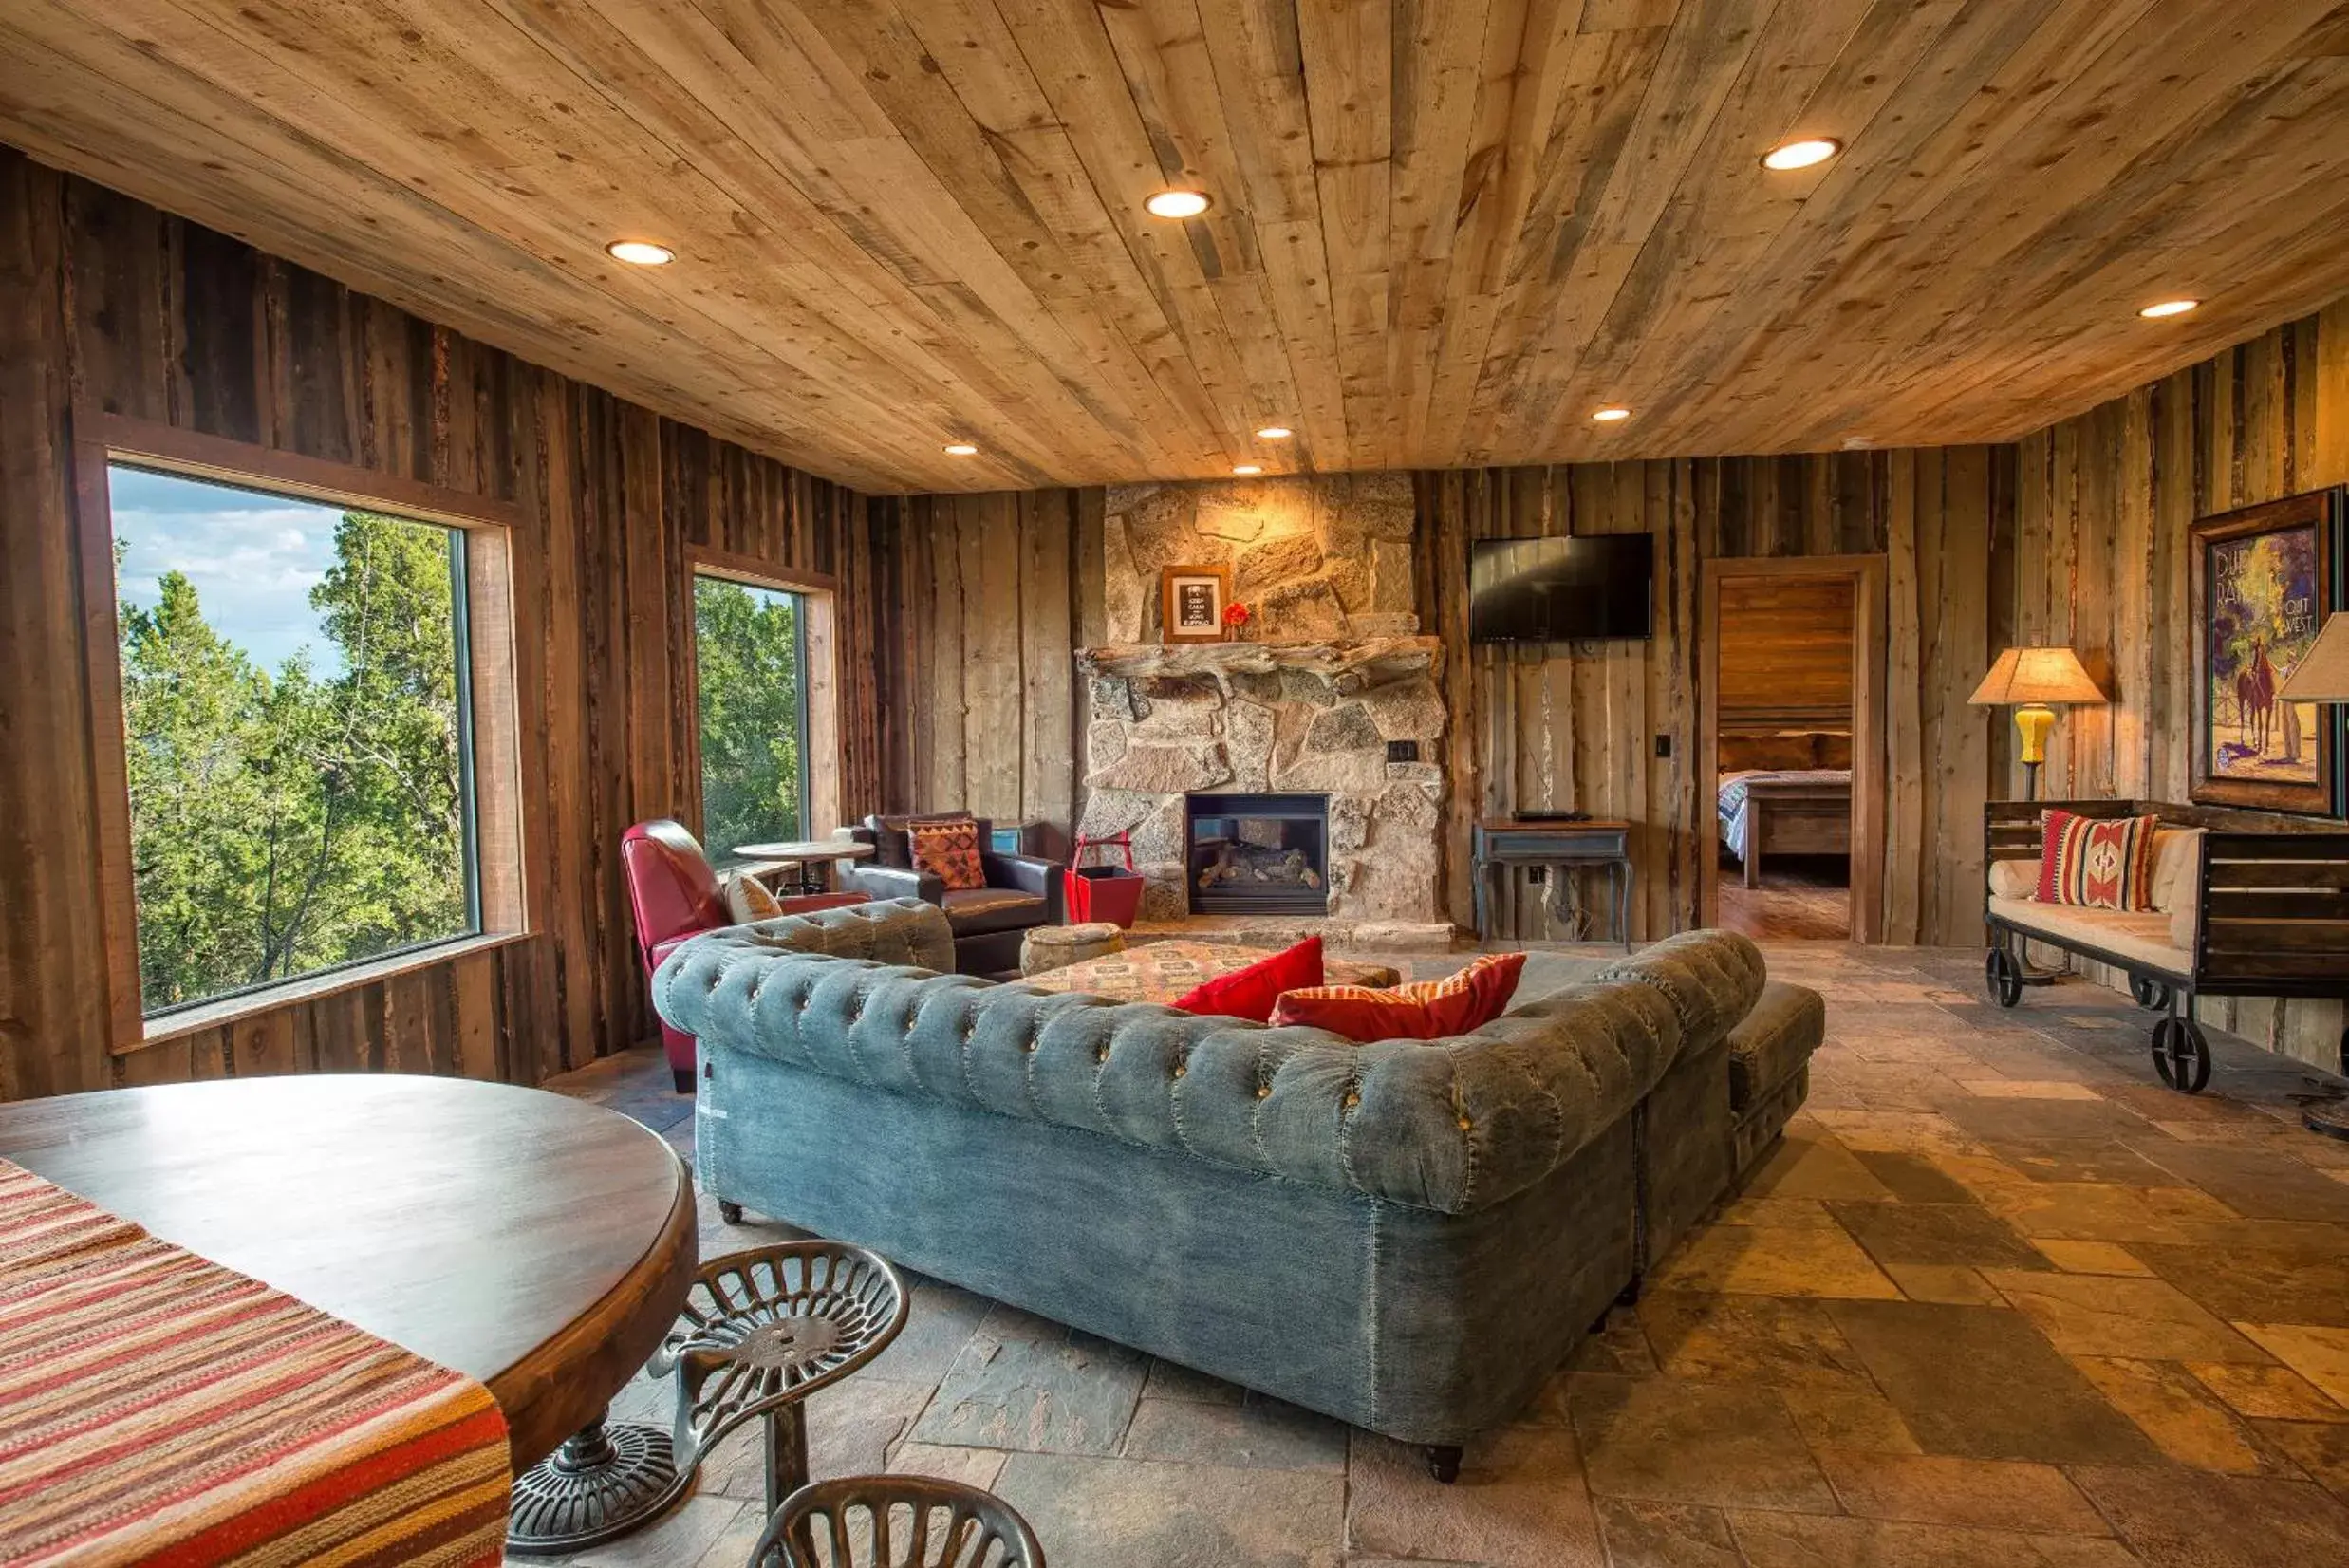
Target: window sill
195 1020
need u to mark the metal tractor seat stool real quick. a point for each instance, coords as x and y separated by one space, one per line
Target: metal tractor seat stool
761 1330
910 1521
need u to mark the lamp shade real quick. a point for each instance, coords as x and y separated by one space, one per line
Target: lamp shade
2036 675
2322 675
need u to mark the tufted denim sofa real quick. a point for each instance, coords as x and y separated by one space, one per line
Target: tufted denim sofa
1406 1235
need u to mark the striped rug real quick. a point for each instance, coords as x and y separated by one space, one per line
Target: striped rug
158 1408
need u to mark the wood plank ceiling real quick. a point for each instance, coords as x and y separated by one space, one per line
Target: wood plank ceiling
1443 231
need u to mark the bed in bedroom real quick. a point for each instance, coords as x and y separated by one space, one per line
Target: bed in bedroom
1769 812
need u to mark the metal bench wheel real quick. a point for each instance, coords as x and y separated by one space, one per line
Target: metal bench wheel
2181 1054
764 1329
2003 971
895 1521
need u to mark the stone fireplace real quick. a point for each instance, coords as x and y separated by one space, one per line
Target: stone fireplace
1167 724
1335 699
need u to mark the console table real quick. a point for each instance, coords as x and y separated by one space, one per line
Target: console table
1559 846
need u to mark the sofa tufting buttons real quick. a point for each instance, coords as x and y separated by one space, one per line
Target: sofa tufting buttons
1180 1069
1100 1053
1465 1126
1352 1099
1263 1092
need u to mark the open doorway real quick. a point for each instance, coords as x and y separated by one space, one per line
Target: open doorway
1793 687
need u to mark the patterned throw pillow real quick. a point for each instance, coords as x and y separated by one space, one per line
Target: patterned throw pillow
2096 862
1431 1010
948 850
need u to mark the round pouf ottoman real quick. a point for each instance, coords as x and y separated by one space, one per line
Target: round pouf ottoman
1050 947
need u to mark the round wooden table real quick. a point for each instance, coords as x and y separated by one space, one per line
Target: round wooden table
536 1243
804 852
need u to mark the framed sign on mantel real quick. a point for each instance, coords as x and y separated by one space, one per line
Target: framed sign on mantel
1191 601
2264 578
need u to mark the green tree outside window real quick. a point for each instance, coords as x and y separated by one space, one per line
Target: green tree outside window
747 653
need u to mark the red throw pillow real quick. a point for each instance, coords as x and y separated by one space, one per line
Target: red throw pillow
1430 1011
949 850
1250 993
2096 862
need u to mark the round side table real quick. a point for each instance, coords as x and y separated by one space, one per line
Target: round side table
1050 947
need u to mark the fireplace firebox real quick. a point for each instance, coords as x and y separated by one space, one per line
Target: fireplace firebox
1256 854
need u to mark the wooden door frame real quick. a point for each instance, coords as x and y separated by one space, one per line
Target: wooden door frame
1866 573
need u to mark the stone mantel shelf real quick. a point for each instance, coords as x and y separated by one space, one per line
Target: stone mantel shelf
1380 656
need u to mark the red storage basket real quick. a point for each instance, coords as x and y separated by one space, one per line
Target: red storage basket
1111 894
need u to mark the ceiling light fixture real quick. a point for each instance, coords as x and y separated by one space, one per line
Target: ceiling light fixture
1275 432
2168 307
1801 154
1244 469
1609 416
640 253
1177 204
961 449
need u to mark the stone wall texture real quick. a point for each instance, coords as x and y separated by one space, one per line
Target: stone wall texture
1314 558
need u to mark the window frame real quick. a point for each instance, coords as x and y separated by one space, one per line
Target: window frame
819 685
489 702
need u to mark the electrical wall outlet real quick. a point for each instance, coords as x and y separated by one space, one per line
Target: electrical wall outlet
1663 745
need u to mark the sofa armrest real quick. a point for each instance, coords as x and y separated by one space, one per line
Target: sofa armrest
885 882
1030 874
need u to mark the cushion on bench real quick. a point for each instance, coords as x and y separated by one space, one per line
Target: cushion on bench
2136 938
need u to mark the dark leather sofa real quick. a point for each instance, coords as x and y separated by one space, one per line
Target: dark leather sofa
1022 892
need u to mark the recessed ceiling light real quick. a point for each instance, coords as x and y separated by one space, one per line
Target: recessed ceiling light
640 253
961 449
1609 416
1801 154
1275 432
1247 468
1177 204
2168 307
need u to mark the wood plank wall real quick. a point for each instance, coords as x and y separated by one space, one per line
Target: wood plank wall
2100 563
988 586
1579 730
988 593
105 299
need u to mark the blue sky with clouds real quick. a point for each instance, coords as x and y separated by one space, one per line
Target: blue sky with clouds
252 557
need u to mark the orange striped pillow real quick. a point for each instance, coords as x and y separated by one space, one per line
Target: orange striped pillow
1430 1011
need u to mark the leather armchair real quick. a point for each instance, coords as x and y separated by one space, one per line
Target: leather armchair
676 895
1022 892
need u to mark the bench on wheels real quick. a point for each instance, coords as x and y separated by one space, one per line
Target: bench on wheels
2246 904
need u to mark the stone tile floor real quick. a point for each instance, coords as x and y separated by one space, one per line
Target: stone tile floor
1997 1299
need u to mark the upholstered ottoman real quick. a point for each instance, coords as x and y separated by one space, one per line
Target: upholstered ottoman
1162 971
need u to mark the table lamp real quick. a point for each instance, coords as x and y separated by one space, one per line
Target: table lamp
2323 673
2323 676
2028 681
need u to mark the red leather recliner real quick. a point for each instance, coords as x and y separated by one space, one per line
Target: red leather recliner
676 895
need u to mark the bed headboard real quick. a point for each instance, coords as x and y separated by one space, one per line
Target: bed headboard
1782 749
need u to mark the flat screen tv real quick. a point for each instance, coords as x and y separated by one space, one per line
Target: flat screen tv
1561 590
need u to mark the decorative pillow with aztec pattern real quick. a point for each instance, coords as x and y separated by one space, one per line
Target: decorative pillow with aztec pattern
2096 862
1430 1010
948 850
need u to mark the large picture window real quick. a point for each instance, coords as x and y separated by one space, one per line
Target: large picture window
296 709
750 660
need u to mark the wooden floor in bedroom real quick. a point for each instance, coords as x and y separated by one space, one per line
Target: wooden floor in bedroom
1802 898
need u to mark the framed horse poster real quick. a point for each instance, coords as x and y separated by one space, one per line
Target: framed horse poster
2263 578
